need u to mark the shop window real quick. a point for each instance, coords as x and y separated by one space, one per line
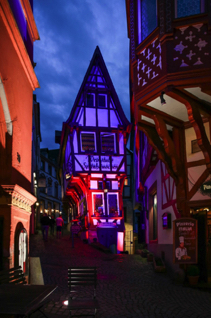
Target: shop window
112 203
153 216
147 18
98 203
184 8
108 142
88 141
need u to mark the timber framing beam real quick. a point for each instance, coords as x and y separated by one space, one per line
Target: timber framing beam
194 105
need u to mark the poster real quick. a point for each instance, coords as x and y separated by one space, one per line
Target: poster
185 241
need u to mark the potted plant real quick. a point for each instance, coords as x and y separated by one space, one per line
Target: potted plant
150 257
159 265
144 253
193 274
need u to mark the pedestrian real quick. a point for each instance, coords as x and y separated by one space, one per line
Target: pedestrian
59 225
45 222
52 224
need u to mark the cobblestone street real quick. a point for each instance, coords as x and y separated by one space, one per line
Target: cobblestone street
127 284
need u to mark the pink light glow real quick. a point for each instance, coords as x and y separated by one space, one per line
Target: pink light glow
120 241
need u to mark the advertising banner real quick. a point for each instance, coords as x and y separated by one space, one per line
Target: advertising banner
185 241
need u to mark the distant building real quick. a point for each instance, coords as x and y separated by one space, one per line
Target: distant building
170 83
18 31
36 139
93 163
49 189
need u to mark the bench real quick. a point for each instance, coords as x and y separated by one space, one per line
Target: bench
13 275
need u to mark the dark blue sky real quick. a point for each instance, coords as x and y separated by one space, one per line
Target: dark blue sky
69 32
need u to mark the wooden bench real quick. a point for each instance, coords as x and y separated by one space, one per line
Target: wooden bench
13 275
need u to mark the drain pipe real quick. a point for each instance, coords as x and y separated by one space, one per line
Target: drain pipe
5 108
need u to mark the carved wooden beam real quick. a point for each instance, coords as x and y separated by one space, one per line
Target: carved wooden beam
156 143
193 105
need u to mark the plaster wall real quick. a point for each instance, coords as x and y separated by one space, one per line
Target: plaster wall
165 236
20 100
191 135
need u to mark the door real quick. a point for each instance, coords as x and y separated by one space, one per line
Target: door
22 245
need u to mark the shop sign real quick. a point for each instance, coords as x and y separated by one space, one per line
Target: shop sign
75 228
185 241
206 187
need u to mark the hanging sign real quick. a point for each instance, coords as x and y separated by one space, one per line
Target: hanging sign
185 241
206 187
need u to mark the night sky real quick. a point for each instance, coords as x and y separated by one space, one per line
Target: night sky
69 32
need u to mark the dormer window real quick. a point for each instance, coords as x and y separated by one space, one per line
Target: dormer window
108 142
88 142
184 8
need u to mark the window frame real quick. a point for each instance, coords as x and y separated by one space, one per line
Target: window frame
202 6
139 21
114 146
95 144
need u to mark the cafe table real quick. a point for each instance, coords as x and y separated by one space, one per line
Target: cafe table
23 300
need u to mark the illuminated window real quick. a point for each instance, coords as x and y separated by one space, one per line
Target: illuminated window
184 8
98 203
126 182
153 216
108 142
147 18
113 206
87 141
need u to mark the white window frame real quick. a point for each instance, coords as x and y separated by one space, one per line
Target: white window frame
88 132
102 193
111 193
103 133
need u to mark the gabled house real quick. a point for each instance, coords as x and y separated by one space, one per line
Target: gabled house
93 155
170 69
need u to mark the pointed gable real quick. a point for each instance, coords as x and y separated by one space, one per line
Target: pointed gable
97 104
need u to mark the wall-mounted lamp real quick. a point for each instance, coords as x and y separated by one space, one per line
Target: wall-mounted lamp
37 203
162 100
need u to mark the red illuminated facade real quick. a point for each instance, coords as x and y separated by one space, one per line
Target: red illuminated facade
170 75
17 82
93 155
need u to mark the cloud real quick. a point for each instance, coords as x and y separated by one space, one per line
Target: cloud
69 33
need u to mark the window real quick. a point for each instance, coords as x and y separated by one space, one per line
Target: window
56 190
147 18
102 101
194 146
113 203
90 100
49 186
184 8
87 141
107 142
50 169
100 185
153 217
42 165
98 203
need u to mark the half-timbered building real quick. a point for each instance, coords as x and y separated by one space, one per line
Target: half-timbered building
170 74
93 155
